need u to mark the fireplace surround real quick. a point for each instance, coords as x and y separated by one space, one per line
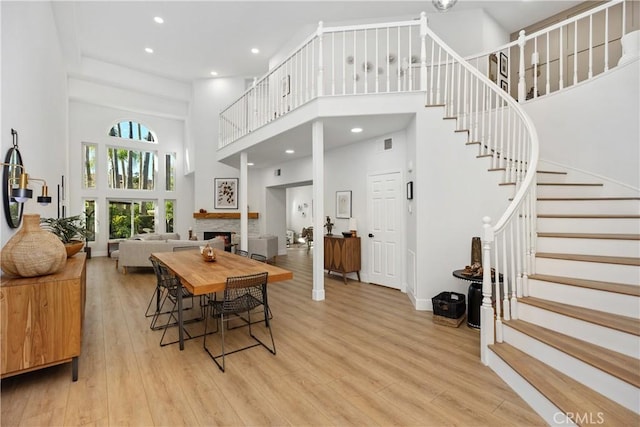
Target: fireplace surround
225 234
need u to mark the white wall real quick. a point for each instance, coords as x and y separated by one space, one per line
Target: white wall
299 203
594 127
33 97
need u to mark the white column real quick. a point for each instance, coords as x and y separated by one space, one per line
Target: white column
243 199
317 152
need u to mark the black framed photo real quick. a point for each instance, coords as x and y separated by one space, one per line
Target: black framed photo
504 85
343 204
285 85
410 190
504 65
226 193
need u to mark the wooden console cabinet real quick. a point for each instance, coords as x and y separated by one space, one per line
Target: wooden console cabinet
342 255
42 319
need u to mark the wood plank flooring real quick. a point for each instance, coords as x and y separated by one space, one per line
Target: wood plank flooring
363 356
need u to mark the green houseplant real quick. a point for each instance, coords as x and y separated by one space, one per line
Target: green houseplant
70 230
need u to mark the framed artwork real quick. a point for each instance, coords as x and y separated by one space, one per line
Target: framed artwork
410 190
226 193
343 204
504 85
493 68
504 65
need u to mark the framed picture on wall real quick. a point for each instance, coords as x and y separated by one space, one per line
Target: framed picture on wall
504 65
225 193
343 204
504 85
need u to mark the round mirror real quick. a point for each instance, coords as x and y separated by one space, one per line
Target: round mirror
10 180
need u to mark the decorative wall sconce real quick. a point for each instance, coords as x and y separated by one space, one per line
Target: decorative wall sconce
16 189
444 5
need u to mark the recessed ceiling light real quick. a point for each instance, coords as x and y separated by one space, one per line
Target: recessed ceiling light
289 151
255 50
214 73
356 130
158 20
148 50
250 164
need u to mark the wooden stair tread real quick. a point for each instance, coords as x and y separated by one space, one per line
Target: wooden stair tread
576 184
619 288
609 320
606 236
620 260
551 172
621 366
590 216
565 393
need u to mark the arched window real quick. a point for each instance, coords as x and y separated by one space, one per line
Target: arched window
132 130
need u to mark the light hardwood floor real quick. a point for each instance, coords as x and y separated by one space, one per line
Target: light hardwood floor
363 356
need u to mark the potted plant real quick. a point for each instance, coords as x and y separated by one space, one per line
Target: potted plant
70 230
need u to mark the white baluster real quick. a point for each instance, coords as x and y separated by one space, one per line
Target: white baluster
320 61
423 51
522 85
590 46
364 64
375 66
606 40
505 275
561 73
548 86
431 88
575 53
486 311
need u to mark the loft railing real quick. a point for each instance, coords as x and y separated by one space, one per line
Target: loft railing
559 56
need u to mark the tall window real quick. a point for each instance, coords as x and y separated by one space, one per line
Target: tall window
129 217
132 130
170 171
90 218
89 170
169 206
132 170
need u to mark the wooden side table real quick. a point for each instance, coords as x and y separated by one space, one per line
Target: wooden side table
342 254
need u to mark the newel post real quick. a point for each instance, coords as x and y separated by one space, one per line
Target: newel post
423 51
522 85
320 61
487 336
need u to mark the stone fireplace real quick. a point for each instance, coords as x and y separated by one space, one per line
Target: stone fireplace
223 222
225 234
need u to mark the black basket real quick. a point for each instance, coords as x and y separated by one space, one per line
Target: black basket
449 304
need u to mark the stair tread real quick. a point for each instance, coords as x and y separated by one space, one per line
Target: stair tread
577 184
625 324
551 172
590 216
620 260
607 236
591 199
565 393
619 365
619 288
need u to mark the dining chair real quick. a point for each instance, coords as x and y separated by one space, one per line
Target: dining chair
242 253
259 257
168 290
242 295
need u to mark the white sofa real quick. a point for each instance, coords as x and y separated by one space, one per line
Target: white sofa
135 252
264 245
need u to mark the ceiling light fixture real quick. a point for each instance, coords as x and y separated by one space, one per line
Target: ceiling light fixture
148 50
444 5
356 130
158 20
289 151
250 164
214 73
255 50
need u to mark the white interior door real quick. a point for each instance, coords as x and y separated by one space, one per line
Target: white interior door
384 194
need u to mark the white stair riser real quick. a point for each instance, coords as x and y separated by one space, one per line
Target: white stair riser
550 413
589 225
616 207
611 302
570 191
605 247
616 273
595 334
551 177
615 389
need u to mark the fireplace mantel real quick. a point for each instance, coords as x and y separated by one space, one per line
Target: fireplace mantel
223 215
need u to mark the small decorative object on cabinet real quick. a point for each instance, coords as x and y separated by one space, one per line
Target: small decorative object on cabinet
33 251
42 319
342 255
70 230
329 226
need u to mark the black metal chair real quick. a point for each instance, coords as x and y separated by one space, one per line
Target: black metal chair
242 295
168 290
242 253
259 257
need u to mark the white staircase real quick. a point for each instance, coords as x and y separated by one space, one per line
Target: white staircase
574 351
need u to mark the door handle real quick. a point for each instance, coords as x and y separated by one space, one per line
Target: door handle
370 235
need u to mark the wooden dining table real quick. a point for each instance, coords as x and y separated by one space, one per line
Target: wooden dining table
202 277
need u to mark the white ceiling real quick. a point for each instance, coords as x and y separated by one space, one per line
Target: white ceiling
200 36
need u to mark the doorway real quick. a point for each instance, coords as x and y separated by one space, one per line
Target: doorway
384 241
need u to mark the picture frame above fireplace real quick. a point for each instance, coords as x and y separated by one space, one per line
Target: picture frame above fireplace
225 193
